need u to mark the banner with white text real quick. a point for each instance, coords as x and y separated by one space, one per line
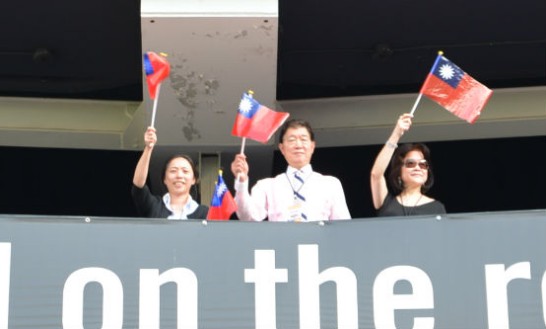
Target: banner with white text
460 271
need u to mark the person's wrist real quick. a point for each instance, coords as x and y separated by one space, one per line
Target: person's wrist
391 145
243 177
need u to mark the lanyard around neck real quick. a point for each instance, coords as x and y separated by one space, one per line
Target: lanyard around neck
301 186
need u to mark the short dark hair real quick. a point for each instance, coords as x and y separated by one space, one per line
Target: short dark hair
295 123
183 156
397 161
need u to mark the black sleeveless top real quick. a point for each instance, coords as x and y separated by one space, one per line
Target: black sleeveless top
391 207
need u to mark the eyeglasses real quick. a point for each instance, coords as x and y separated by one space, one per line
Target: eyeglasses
411 163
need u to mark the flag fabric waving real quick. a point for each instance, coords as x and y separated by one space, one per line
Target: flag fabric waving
455 90
222 204
256 121
157 68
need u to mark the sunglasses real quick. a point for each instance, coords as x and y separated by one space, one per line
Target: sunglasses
411 163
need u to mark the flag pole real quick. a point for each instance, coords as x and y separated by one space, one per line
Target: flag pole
155 104
415 104
155 108
440 53
243 142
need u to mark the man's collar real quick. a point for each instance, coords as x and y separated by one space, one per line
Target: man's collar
305 169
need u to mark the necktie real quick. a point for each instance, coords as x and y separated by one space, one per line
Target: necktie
299 181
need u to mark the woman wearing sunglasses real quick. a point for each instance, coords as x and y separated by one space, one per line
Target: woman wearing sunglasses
409 178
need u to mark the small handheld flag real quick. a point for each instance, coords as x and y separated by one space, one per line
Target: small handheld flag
222 204
455 90
256 121
157 68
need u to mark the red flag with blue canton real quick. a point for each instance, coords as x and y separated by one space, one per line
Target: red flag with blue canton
455 90
222 204
256 121
157 68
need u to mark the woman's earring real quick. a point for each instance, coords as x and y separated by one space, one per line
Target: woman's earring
400 182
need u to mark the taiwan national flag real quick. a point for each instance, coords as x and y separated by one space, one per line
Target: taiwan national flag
157 69
455 90
222 204
256 121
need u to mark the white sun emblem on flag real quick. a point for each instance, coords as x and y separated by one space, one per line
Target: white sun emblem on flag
447 72
245 106
221 189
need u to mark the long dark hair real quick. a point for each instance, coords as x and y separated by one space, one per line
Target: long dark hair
397 161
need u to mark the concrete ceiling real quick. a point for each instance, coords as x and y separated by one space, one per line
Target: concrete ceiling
217 51
355 48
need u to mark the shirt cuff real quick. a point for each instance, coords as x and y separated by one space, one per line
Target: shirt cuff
240 186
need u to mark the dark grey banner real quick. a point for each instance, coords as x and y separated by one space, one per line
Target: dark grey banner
464 271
